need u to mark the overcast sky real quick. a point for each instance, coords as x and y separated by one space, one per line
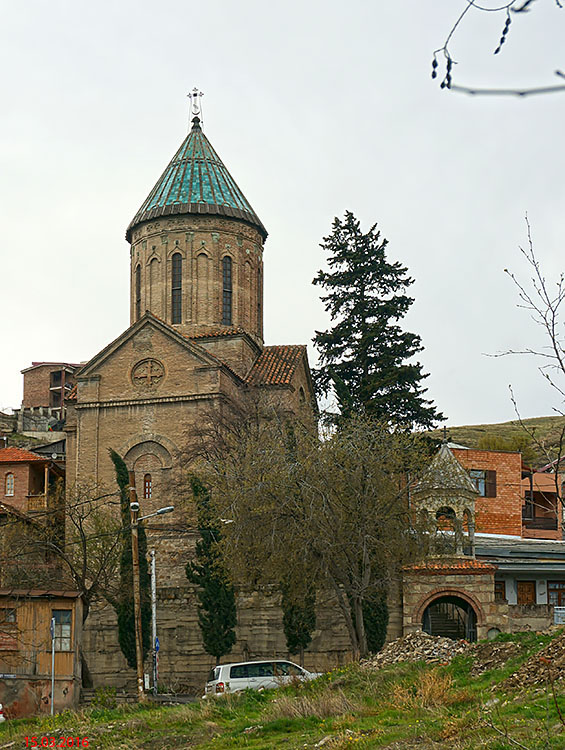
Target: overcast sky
315 108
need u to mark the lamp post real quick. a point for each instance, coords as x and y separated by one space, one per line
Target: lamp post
135 519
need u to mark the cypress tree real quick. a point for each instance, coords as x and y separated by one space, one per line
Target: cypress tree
299 617
217 614
365 358
375 619
124 600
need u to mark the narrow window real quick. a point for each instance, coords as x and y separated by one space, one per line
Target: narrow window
138 293
62 634
147 486
499 591
176 288
9 485
227 291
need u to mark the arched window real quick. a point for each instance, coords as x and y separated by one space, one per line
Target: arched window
138 292
147 487
154 286
227 291
176 288
9 485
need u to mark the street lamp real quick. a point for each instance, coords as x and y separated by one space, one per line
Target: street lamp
134 510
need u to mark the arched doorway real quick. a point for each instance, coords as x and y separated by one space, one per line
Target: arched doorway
452 617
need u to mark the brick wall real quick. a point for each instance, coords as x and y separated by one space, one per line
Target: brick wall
501 514
21 485
202 242
37 382
36 385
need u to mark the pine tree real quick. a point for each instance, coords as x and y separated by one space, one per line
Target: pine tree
366 358
124 600
299 616
217 614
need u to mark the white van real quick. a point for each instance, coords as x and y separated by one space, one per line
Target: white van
256 675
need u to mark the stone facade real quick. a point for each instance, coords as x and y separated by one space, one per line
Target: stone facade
194 348
202 243
423 587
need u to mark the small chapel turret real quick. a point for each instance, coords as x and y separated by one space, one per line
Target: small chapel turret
446 496
197 246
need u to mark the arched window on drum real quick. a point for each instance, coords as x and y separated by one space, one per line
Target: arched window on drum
227 289
138 292
176 289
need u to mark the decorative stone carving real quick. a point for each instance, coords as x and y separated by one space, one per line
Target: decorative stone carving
147 374
142 341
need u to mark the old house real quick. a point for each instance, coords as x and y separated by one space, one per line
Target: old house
46 386
28 480
25 650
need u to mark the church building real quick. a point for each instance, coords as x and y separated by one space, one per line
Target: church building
195 342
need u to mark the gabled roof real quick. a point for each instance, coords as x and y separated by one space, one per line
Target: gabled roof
276 365
11 455
206 357
196 181
446 473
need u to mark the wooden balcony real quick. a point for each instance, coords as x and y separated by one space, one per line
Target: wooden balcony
543 523
36 502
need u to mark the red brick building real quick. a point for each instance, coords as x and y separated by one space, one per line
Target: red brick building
46 386
26 479
513 500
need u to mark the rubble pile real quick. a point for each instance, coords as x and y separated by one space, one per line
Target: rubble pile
547 665
493 655
418 646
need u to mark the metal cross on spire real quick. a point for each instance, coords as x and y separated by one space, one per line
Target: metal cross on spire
195 97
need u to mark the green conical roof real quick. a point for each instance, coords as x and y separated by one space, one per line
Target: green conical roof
196 181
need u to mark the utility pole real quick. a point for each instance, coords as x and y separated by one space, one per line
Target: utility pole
154 620
52 666
134 511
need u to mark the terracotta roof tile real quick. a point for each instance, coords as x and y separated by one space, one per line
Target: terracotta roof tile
72 394
217 332
12 455
276 365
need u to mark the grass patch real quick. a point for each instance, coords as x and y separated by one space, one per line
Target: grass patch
411 706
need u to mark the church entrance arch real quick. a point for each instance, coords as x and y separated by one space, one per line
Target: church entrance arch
450 616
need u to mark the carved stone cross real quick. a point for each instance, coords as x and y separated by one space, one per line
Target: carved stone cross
148 372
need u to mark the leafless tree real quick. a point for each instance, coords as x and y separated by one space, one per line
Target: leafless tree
543 299
510 9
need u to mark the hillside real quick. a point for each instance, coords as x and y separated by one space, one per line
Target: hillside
547 432
496 695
